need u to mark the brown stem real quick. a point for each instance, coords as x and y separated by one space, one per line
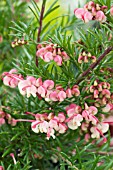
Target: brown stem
92 66
40 26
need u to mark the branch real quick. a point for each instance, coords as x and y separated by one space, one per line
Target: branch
92 66
40 26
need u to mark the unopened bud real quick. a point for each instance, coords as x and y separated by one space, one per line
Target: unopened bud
84 53
95 83
89 55
97 7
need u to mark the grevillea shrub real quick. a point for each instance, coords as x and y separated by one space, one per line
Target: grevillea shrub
57 113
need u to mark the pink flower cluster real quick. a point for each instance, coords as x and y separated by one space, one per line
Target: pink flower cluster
11 78
6 117
36 87
86 57
49 124
91 11
74 118
96 125
102 95
50 52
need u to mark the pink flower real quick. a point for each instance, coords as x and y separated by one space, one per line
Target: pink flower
42 91
93 119
99 129
39 82
100 16
80 59
96 93
95 133
50 133
11 79
27 87
61 96
87 16
65 56
53 123
43 127
48 56
1 168
99 87
92 89
94 11
41 117
83 14
106 93
40 53
75 122
2 114
31 79
48 84
58 60
85 115
79 12
87 137
68 93
73 109
104 127
84 126
59 87
62 128
35 126
53 96
93 59
75 91
107 108
93 110
111 11
61 117
47 97
2 121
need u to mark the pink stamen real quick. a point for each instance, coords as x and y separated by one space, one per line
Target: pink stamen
29 113
24 120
